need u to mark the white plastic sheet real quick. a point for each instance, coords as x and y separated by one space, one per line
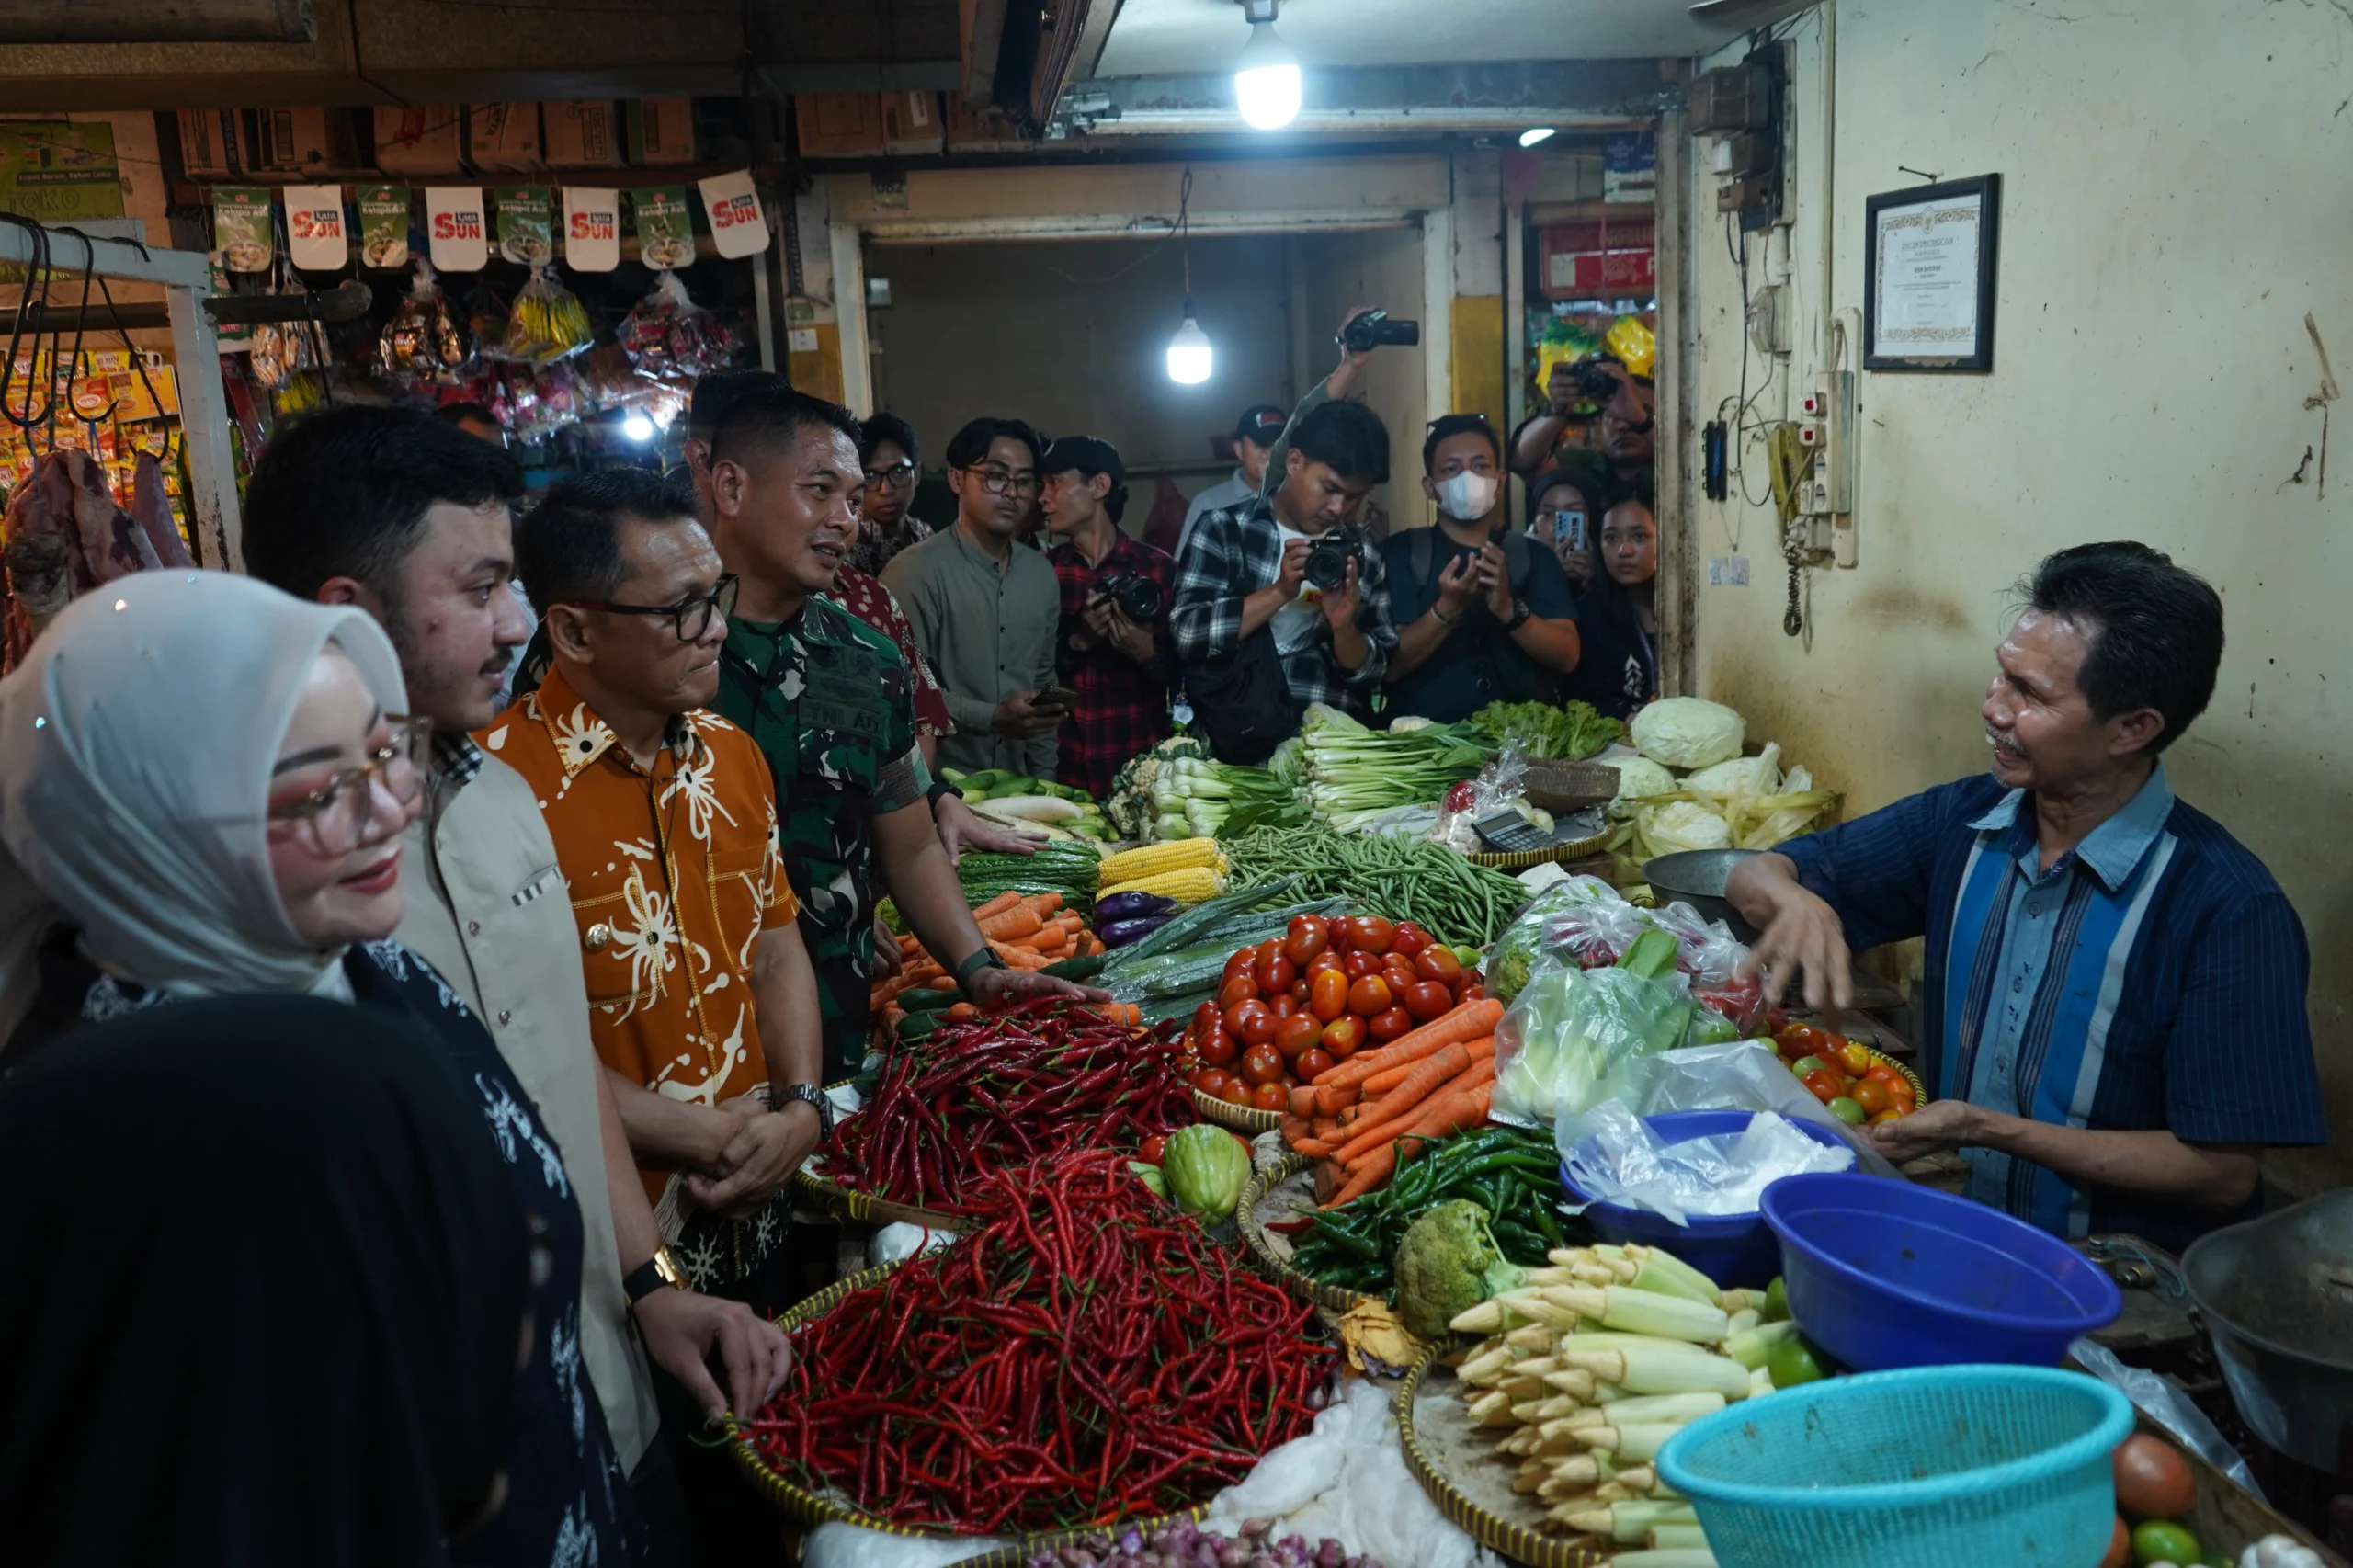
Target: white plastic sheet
1616 1158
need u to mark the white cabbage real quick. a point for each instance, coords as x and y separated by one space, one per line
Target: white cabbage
1687 731
1681 824
1637 776
1758 775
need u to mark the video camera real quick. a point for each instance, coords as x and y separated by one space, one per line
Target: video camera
1373 329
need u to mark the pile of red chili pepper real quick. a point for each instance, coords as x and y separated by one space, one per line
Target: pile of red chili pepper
1087 1356
1035 1083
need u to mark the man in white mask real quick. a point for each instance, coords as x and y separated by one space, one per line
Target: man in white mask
1481 615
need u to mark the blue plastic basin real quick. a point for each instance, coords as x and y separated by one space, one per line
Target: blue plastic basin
1731 1249
1885 1274
2004 1466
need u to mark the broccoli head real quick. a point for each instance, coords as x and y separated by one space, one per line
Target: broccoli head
1446 1264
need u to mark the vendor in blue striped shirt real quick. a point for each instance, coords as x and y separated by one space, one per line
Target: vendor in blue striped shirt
2114 1022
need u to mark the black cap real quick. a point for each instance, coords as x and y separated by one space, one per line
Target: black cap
1262 425
1088 455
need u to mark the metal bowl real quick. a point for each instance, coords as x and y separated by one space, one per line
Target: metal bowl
2277 1294
1696 877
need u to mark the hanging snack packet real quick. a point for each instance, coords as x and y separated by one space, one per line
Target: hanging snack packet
667 335
423 341
547 322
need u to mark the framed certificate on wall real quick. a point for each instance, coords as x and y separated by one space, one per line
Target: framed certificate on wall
1929 276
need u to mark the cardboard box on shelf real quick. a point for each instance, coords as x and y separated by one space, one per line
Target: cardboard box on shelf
211 143
299 140
839 125
504 138
583 133
424 139
661 132
911 126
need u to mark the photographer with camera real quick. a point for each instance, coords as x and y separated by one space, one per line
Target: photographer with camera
1599 398
1112 648
1482 615
1284 602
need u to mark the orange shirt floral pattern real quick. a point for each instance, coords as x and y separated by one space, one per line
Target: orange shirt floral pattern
674 874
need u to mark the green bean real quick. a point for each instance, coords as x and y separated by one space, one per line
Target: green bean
1402 878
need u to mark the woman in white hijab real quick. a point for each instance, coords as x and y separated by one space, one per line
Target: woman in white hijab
211 781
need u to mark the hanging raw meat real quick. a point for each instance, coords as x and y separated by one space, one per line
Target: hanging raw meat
66 537
152 508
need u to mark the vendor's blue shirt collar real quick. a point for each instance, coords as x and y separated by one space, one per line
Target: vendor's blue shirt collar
2115 849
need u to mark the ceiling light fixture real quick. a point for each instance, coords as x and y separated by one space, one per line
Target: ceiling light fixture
1535 134
1190 352
1266 79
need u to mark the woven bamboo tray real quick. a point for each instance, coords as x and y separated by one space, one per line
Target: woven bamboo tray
1576 849
810 1508
1239 1117
1476 1492
1271 1253
865 1208
1556 785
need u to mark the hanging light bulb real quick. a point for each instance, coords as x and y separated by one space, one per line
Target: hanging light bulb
1189 351
1534 134
1266 79
637 427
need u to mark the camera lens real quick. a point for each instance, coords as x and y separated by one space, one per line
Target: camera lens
1327 563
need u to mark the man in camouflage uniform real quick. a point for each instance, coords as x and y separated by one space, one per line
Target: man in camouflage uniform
831 702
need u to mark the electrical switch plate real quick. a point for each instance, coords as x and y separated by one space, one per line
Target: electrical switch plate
1834 394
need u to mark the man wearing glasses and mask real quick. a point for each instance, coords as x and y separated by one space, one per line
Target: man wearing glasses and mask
893 463
986 611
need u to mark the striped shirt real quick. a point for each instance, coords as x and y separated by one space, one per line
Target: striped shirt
2153 978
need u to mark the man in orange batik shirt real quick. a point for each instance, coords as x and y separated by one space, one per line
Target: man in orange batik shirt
701 998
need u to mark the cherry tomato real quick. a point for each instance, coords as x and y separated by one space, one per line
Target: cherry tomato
1370 934
1211 1080
1872 1095
1299 991
1261 1065
1313 1064
1205 1014
1358 965
1398 972
1241 962
1409 940
1386 1026
1284 1006
1326 960
1274 975
1369 996
1902 1100
1270 1096
1298 1034
1881 1073
1327 995
1437 963
1217 1047
1244 1016
1824 1086
1238 990
1236 1092
1856 1057
1426 999
1474 992
1343 1036
1259 1028
1807 1066
1308 936
1155 1149
1881 1117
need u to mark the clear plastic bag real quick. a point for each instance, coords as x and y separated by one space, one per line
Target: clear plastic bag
2168 1407
547 323
1615 1158
1520 952
667 335
1575 1038
1743 1075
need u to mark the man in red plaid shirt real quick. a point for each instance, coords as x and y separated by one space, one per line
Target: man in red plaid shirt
1113 644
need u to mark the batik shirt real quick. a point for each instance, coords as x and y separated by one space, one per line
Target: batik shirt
830 702
674 873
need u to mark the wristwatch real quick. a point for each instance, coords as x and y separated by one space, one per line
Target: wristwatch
810 1095
1520 614
982 957
662 1268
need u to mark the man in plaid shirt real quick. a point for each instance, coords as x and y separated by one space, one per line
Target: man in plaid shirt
1117 662
1246 568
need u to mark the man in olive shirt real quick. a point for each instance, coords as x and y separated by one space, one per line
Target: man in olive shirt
984 611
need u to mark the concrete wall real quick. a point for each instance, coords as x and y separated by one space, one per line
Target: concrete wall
2174 207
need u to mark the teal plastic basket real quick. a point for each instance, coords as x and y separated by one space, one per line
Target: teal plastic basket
1936 1464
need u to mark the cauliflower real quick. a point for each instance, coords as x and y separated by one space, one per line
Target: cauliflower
1446 1264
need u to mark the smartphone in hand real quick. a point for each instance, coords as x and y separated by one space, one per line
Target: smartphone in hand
1056 697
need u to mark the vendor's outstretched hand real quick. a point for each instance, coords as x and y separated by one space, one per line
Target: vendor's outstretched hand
961 828
1802 935
1935 1128
996 988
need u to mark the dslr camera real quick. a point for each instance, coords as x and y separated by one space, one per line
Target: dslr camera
1139 598
1327 561
1594 382
1373 329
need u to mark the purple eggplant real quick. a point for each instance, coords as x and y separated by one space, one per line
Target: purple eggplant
1119 933
1132 906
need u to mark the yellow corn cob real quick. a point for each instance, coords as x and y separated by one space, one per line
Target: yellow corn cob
1190 884
1182 855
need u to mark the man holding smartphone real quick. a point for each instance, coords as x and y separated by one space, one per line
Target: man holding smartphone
985 611
1112 650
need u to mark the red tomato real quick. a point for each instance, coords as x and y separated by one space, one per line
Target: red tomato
1343 1036
1238 989
1872 1095
1824 1086
1369 996
1270 1096
1881 1073
1327 996
1217 1047
1155 1149
1326 960
1235 1092
1261 1065
1284 1006
1241 962
1398 972
1474 992
1211 1081
1370 934
1409 940
1386 1026
1308 936
1426 999
1300 991
1358 965
1242 1016
1297 1035
1437 963
1274 974
1344 941
1260 1027
1205 1014
1312 1065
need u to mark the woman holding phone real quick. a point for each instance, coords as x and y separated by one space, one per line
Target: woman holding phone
1561 515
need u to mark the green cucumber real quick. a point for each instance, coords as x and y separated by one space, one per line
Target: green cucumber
920 1000
1201 916
1651 955
1076 969
914 1025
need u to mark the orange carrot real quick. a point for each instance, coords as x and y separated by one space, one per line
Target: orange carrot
1021 958
1463 1024
1313 1148
1381 1082
1052 940
1124 1013
962 1012
1013 925
1452 1113
1294 1129
1363 1143
1302 1102
996 905
1044 904
1375 1168
1331 1100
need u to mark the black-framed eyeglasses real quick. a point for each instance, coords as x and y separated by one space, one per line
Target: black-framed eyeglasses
898 475
1000 481
692 615
335 816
